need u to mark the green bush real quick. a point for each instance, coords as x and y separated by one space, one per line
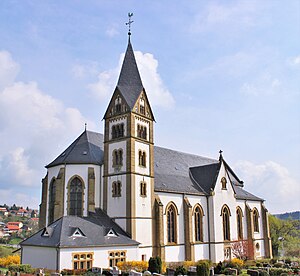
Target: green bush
278 265
180 270
25 268
73 272
203 268
159 263
153 265
278 271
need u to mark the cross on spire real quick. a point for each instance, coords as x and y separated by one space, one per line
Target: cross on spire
130 14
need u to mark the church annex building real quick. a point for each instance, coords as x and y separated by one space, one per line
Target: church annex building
118 197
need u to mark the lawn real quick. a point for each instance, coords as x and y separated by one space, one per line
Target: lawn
5 251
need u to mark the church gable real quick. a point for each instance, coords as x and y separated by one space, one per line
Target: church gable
142 106
117 105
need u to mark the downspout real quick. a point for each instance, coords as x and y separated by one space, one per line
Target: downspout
100 187
208 220
57 259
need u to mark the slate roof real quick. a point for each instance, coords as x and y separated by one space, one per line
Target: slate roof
171 171
130 83
86 149
94 229
174 171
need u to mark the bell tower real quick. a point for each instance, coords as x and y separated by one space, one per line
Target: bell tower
128 152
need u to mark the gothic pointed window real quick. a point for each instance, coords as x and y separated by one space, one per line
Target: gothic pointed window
239 223
52 194
172 224
255 220
198 220
226 223
76 197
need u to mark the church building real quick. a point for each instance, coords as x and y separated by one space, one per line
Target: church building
117 197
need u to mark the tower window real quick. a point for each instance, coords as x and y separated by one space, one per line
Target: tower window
198 219
118 105
116 188
142 106
142 131
143 189
75 197
226 223
142 158
117 131
117 158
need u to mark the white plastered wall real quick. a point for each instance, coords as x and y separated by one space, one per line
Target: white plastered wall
39 257
143 212
258 236
174 253
82 172
111 148
201 249
116 206
146 148
221 197
101 255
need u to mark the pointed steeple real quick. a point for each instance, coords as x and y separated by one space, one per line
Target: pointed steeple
130 83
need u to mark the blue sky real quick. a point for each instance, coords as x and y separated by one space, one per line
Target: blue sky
219 74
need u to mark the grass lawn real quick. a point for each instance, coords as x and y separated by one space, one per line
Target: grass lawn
15 241
5 251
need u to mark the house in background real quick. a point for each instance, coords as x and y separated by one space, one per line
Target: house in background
116 197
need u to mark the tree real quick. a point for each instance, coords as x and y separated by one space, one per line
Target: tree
290 231
240 250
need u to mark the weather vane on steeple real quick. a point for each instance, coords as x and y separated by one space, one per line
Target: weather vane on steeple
130 14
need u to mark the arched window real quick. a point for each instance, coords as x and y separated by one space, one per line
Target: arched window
142 131
224 183
76 197
172 224
116 188
142 158
143 189
239 223
117 131
226 223
198 220
117 157
52 194
255 220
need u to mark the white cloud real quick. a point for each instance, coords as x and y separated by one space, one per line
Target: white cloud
232 16
10 197
235 65
263 85
8 69
112 31
32 127
294 61
158 94
272 182
81 71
